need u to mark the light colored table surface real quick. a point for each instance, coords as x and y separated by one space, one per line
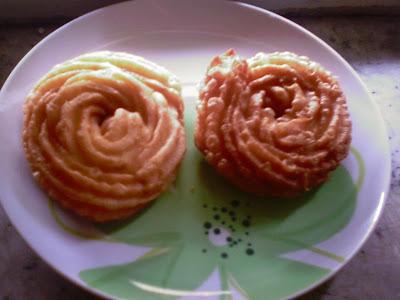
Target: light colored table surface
372 46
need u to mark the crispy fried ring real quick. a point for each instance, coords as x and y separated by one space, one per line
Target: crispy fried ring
275 124
103 133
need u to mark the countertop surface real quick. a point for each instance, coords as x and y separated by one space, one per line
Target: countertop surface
372 46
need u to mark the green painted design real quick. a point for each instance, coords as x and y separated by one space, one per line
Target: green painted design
245 241
71 230
361 167
328 254
236 285
91 234
223 277
154 252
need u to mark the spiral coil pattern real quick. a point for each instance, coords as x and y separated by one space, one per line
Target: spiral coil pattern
275 124
103 133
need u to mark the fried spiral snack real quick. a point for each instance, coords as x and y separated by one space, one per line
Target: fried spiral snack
103 133
275 124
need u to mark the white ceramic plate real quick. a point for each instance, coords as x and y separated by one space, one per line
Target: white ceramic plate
312 240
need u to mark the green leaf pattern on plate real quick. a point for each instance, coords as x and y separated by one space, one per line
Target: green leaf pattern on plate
203 224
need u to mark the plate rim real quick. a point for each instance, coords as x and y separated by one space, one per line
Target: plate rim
386 147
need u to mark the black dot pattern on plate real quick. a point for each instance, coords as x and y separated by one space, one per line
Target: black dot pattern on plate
249 251
207 225
235 218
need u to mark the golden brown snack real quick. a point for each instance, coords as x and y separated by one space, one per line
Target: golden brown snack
275 124
103 133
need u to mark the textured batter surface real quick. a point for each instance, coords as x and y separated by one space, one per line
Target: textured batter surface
103 133
274 124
